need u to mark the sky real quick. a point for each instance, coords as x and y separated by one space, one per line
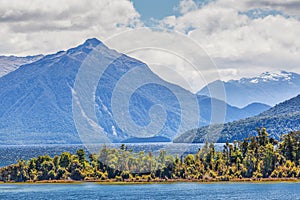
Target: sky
155 9
242 38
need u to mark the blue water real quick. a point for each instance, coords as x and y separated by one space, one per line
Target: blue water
184 191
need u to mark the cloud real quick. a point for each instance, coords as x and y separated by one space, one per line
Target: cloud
186 6
290 7
242 45
37 26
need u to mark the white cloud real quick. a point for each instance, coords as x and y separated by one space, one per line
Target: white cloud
239 44
37 26
289 7
186 6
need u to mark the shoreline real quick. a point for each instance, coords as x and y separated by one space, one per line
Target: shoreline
174 181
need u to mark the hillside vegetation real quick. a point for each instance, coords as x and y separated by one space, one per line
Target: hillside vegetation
278 120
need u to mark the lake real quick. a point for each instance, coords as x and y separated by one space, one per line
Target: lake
152 191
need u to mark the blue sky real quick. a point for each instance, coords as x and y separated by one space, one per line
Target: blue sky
156 9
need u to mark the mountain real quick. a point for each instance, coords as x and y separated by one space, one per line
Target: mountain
232 113
268 88
11 63
278 120
255 108
36 99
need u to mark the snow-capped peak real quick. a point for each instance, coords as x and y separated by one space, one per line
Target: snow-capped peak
268 76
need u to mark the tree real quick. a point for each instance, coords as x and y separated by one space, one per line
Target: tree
81 157
269 160
65 159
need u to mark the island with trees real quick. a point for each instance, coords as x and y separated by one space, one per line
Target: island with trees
256 158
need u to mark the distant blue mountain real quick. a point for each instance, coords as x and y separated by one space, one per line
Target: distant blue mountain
268 88
255 108
36 99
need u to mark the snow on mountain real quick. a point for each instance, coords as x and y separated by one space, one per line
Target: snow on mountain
267 88
267 77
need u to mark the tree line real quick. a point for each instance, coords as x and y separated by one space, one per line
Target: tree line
255 157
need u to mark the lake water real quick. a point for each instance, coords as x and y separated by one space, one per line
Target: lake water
152 191
10 154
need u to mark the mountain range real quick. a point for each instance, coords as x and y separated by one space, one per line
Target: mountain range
280 119
36 98
267 88
11 63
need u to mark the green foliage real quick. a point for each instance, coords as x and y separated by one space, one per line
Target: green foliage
65 159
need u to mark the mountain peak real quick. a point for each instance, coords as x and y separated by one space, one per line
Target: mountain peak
92 42
86 47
